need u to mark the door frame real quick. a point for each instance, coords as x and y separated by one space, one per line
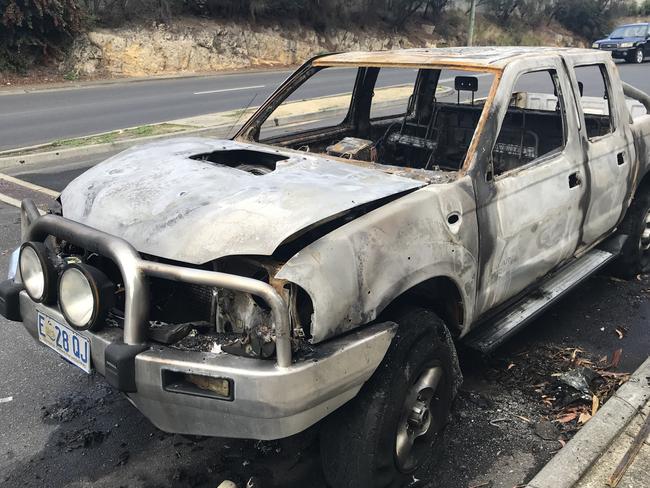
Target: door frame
483 177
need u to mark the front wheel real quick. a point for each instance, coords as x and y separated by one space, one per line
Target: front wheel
395 422
636 57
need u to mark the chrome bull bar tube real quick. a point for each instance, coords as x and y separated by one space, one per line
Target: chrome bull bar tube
134 270
28 214
127 259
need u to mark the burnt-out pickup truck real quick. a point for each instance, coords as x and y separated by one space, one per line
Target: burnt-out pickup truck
323 263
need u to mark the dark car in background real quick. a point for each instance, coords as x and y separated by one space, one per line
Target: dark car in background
628 42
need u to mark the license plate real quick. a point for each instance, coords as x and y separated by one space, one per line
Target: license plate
70 345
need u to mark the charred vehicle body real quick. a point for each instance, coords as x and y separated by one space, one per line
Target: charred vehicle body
322 269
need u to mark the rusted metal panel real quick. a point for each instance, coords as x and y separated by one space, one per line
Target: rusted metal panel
470 157
482 58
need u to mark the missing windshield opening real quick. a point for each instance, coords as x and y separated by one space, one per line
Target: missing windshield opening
255 162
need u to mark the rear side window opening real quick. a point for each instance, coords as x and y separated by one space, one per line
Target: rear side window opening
595 99
534 125
406 117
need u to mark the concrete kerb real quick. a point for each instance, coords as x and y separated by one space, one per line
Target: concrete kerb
573 461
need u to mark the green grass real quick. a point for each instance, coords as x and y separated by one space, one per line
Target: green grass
119 135
71 76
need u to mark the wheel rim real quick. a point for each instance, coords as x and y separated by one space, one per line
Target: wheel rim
416 420
639 56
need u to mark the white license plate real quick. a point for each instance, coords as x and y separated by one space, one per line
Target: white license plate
69 344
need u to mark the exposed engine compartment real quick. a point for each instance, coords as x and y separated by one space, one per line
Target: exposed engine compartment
254 162
201 318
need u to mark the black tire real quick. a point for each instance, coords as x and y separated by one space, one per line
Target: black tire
358 441
635 255
637 56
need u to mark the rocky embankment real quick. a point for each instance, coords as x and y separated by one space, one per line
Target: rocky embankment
203 46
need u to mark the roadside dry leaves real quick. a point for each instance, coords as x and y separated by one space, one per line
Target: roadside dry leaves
574 404
570 384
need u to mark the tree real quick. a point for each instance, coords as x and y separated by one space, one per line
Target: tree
501 9
589 18
33 29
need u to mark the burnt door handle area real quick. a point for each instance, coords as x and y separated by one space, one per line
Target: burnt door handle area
574 180
620 158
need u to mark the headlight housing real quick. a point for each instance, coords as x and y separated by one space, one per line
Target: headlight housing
37 272
86 295
627 44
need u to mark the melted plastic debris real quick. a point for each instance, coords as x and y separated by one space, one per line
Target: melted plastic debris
198 342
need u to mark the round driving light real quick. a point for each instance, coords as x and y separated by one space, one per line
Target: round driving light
37 272
86 295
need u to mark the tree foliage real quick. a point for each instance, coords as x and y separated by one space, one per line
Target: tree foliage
313 12
32 29
588 18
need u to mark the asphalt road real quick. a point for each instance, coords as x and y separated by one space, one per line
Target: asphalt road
43 116
61 428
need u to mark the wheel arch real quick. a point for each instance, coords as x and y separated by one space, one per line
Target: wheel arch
439 294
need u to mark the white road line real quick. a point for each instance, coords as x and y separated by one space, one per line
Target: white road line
27 184
229 89
9 201
15 203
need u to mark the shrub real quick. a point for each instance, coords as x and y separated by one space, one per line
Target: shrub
35 30
588 18
644 8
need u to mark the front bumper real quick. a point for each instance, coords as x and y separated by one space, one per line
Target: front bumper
619 53
268 400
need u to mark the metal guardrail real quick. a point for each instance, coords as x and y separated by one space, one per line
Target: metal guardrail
134 269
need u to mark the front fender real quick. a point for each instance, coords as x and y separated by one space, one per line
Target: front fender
354 272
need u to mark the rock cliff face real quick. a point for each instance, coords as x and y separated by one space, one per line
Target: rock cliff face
202 46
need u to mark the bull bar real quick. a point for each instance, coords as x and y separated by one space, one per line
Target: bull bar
134 269
270 400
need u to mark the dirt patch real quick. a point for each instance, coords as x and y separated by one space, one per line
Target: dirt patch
42 75
83 438
78 404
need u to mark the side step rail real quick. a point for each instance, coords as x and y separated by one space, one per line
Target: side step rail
490 334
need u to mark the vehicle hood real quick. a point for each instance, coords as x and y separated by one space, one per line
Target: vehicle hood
619 40
171 206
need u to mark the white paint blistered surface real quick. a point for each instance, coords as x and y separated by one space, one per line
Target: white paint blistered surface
168 205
